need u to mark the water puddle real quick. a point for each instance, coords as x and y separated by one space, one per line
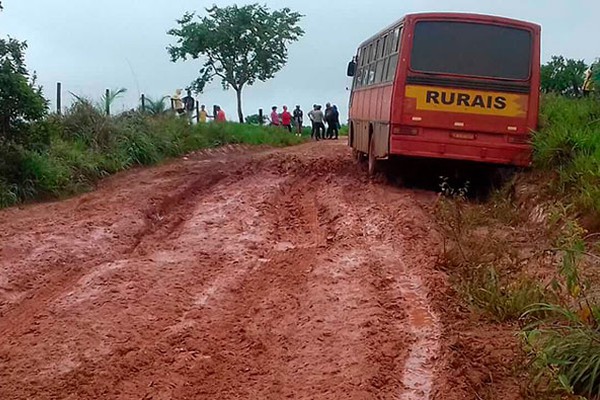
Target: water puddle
424 326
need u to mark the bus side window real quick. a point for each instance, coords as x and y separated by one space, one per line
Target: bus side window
386 65
391 73
399 44
379 74
357 77
363 56
396 40
372 73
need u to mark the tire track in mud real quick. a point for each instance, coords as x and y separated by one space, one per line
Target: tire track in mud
397 246
156 217
27 321
287 276
68 270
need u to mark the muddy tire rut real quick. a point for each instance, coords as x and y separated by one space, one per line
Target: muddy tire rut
270 274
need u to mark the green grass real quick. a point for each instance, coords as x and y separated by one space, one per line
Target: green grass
565 351
502 299
562 337
69 154
564 346
568 145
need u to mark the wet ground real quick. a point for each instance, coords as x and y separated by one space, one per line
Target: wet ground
242 274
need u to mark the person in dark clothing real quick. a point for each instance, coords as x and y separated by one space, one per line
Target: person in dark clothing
298 120
330 118
190 105
311 113
336 122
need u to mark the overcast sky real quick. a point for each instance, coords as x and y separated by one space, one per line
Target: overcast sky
91 45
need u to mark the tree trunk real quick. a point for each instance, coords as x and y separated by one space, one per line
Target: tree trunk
238 92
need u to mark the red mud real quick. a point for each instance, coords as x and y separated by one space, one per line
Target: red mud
270 274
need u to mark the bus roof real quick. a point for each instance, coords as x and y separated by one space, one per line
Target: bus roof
467 17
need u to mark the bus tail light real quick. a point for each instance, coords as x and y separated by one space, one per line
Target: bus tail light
519 139
405 130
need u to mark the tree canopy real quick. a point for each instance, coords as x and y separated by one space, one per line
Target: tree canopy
563 75
20 100
596 73
239 45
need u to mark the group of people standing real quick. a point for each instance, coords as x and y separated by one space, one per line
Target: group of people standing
286 119
331 117
318 119
186 106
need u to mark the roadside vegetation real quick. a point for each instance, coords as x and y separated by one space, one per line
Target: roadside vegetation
536 278
63 155
568 149
537 270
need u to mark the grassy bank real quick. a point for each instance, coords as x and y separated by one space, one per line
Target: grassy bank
568 148
537 280
524 261
65 155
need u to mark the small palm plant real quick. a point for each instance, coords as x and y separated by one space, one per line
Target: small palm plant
157 107
111 96
106 101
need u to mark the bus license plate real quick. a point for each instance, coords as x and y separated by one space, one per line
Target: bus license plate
463 136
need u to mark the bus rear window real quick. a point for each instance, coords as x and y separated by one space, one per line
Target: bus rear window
472 49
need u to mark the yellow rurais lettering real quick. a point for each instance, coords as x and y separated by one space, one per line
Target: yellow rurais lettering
429 98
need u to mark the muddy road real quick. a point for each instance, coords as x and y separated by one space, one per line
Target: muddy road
242 274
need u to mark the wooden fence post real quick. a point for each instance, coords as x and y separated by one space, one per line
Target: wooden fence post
143 103
58 98
197 111
260 116
107 102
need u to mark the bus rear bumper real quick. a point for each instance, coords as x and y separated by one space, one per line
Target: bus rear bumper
505 153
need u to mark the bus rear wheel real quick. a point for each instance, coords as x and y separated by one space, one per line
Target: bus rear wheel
373 162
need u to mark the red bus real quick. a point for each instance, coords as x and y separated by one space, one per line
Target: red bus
447 85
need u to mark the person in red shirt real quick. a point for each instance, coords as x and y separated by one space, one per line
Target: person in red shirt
275 117
286 119
221 115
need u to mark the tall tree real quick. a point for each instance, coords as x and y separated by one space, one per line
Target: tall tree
20 99
239 45
563 75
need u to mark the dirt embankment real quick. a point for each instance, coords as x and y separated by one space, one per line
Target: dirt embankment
265 274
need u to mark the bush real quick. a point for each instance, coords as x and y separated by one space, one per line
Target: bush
67 154
83 121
